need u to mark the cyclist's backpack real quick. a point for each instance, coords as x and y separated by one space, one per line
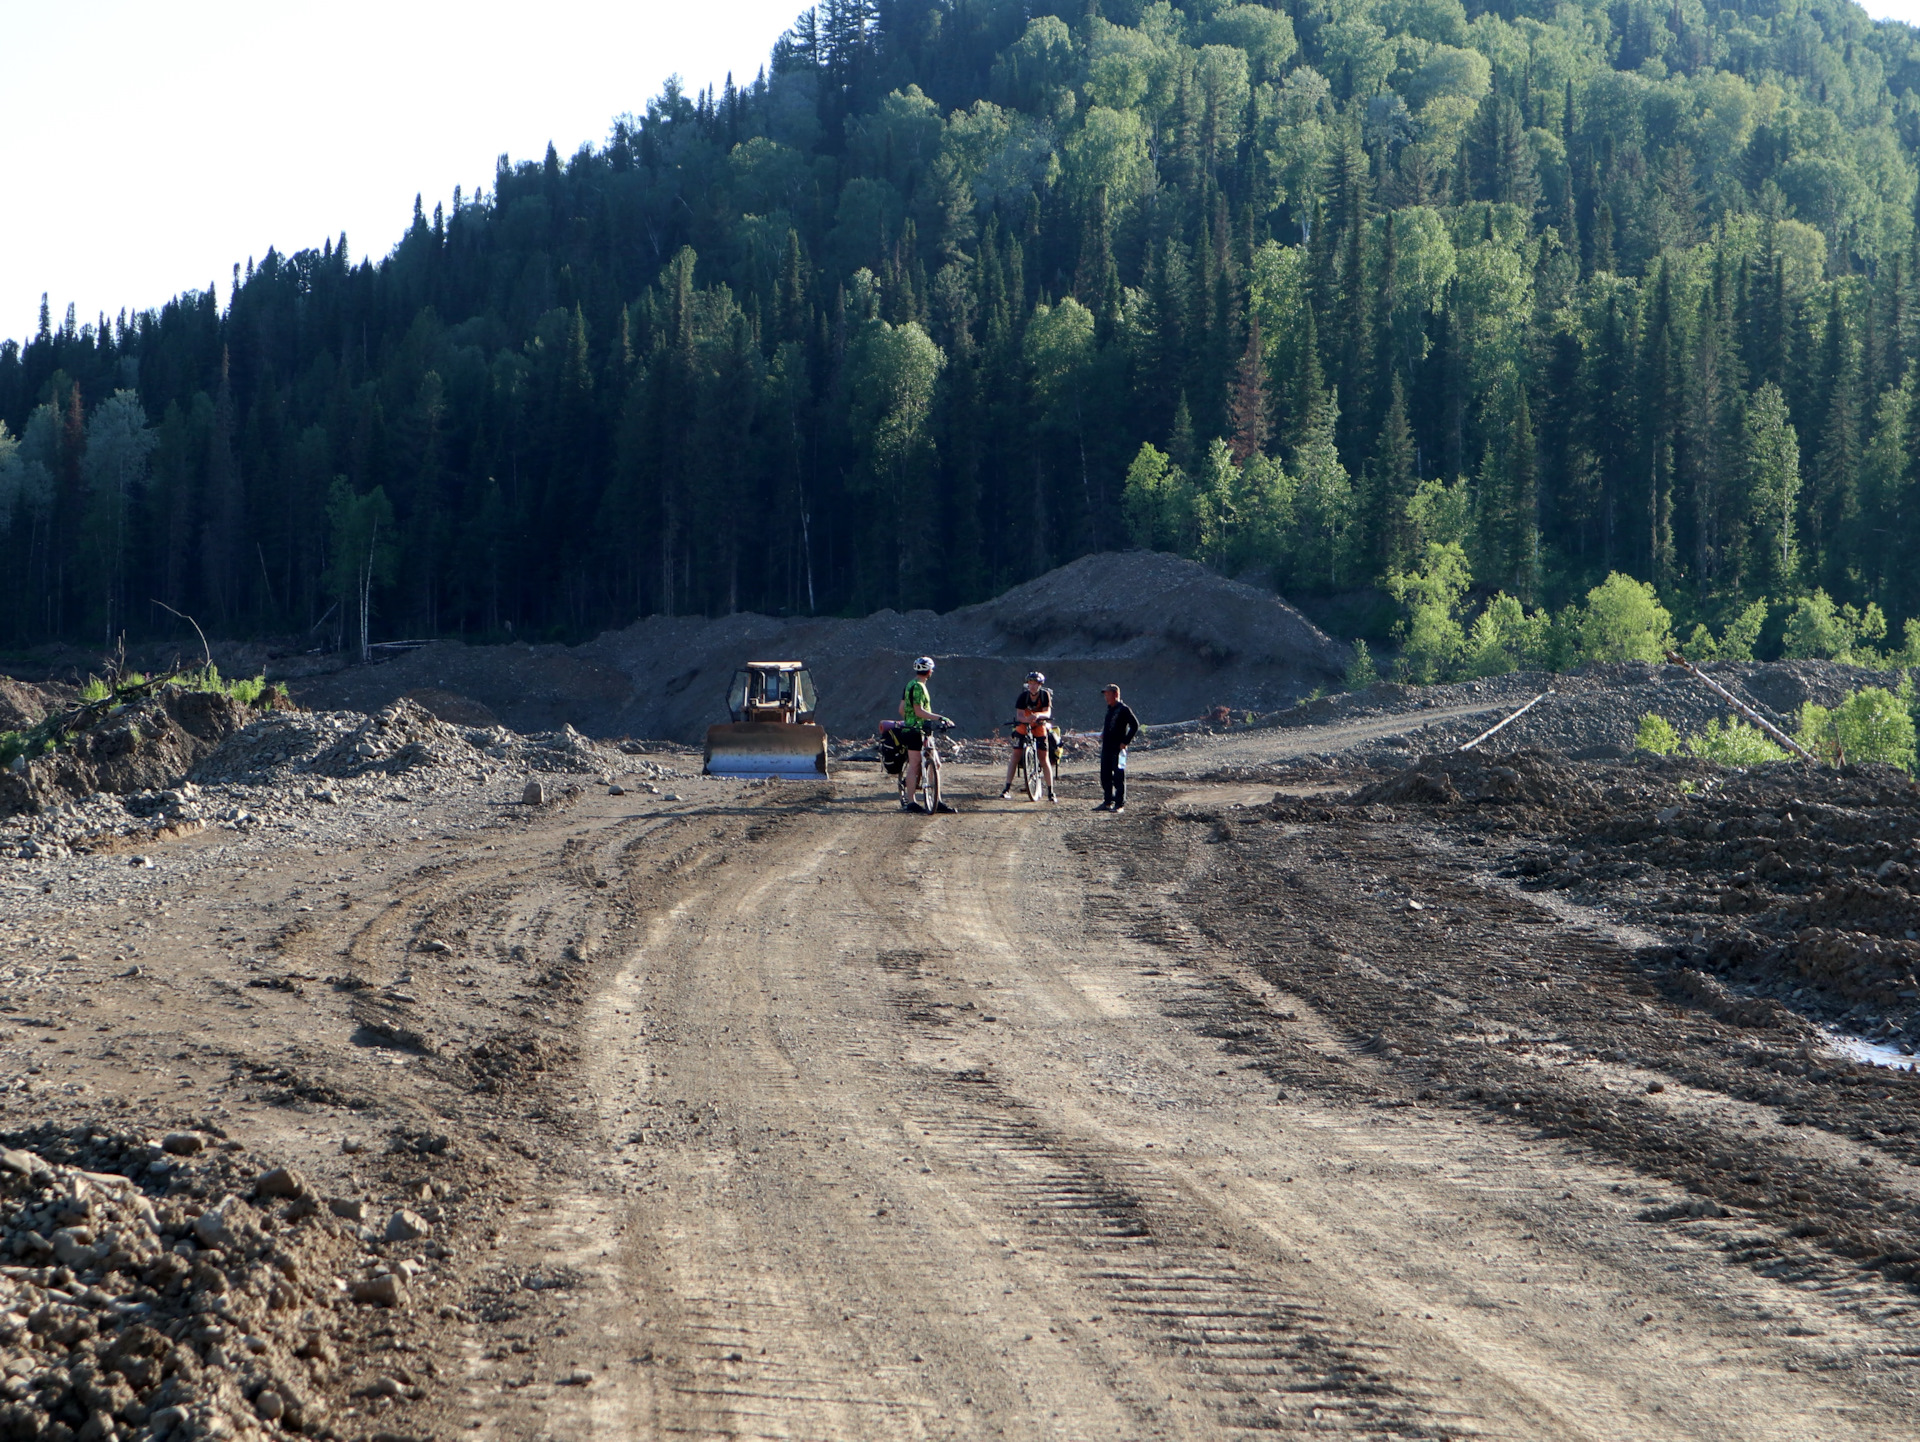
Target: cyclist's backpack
893 752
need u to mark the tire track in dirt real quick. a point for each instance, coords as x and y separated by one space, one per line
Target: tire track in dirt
899 1139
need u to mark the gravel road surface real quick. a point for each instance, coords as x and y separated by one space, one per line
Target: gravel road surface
741 1111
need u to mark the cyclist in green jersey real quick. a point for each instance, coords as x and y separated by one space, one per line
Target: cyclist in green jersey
916 711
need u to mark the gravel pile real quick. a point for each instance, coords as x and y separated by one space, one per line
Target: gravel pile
312 774
163 1289
400 739
1594 712
1178 637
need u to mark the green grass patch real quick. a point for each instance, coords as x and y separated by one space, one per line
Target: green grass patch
99 698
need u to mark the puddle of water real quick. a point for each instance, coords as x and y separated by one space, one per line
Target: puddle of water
1873 1053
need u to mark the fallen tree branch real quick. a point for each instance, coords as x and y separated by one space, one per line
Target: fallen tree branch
1485 735
1774 733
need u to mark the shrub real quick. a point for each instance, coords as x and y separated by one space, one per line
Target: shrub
1656 734
1734 743
1819 630
1361 672
1736 642
1623 620
1873 724
1505 637
1433 637
95 690
1743 633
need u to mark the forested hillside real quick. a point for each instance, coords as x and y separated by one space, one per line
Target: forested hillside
1392 291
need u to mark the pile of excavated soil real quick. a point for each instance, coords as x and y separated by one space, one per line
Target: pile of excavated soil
1593 712
147 745
1528 778
1792 882
156 1289
21 705
1785 885
306 772
1177 637
399 739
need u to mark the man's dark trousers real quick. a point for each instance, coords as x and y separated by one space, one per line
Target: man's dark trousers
1113 778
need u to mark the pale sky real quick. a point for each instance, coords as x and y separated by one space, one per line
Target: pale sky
148 145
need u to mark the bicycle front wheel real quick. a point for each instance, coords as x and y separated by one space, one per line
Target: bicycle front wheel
1030 763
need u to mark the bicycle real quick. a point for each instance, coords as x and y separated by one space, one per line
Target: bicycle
930 762
1029 746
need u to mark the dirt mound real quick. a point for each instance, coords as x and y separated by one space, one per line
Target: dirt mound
1594 712
453 708
399 739
149 745
139 1304
1177 637
21 705
1792 882
1525 778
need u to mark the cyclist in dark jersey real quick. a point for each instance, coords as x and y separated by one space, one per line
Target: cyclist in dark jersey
1033 710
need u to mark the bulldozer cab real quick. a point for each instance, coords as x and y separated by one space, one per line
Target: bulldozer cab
770 730
776 691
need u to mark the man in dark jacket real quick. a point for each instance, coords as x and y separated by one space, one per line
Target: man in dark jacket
1115 736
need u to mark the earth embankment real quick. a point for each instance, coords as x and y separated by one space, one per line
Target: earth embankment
1177 637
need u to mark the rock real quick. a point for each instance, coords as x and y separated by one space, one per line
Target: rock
270 1405
385 1290
438 948
616 791
350 1209
579 1377
534 795
407 1226
143 863
381 1387
210 1227
183 1144
280 1182
23 1164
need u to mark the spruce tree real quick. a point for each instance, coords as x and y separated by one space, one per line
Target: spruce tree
1247 418
1391 482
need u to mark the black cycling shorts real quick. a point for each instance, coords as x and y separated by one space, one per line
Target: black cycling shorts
912 737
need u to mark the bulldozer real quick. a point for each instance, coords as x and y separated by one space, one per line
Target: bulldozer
770 730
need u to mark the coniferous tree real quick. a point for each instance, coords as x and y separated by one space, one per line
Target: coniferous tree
630 379
1391 480
1832 496
1248 417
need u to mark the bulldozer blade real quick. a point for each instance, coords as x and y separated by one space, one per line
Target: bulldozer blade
766 748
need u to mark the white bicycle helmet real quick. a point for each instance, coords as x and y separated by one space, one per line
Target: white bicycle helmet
1037 676
924 666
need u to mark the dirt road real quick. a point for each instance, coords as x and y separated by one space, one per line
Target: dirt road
771 1112
917 1130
